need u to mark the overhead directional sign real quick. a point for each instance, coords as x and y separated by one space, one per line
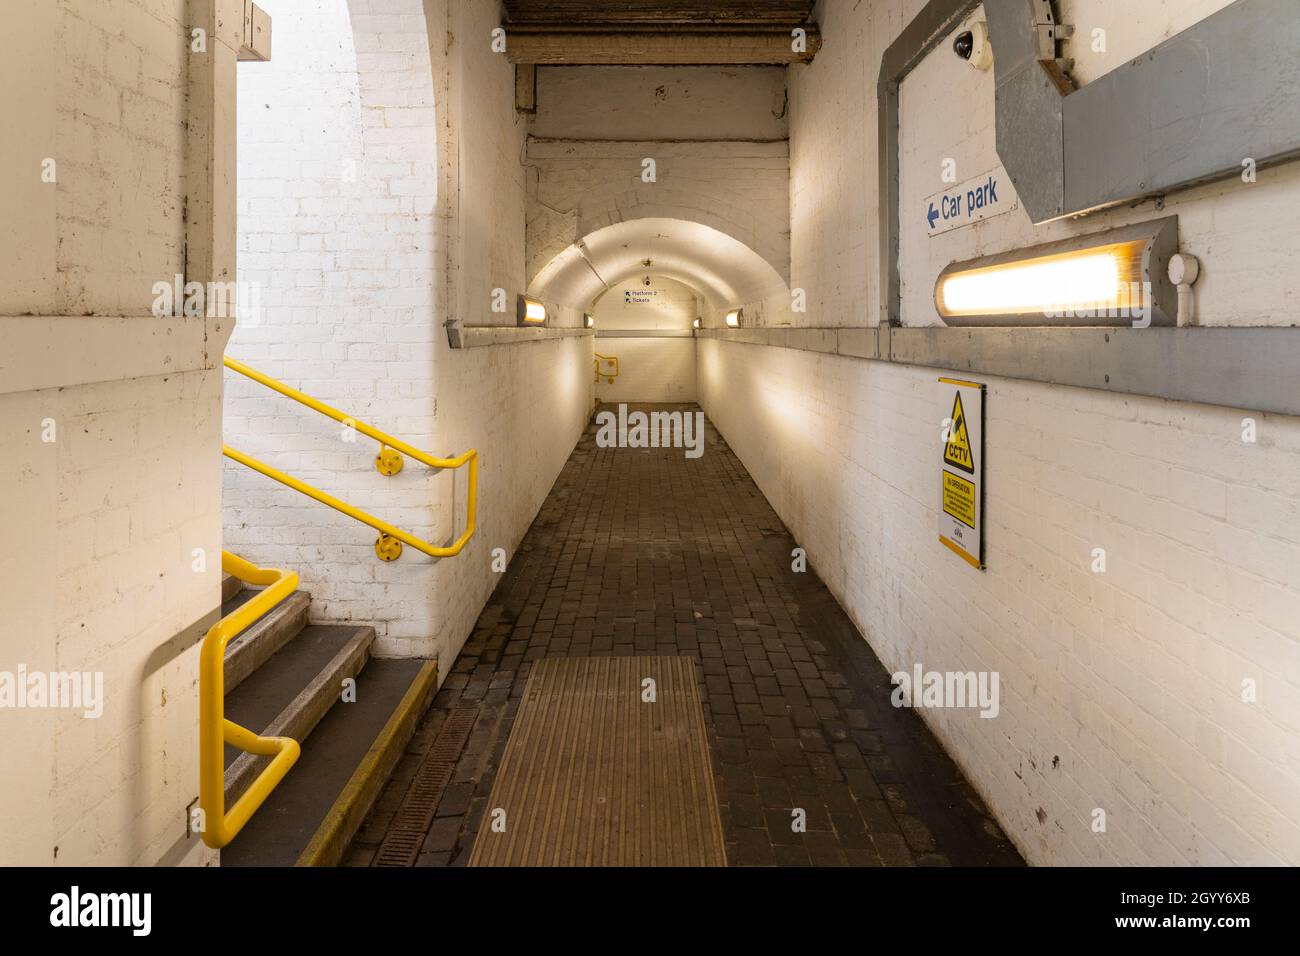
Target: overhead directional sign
961 472
972 201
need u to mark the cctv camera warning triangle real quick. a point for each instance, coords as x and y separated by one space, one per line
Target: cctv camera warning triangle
958 451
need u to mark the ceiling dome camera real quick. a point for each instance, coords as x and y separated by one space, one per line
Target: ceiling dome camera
973 46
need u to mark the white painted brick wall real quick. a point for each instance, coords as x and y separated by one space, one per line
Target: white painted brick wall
651 369
741 189
522 406
115 507
702 103
337 187
110 112
358 279
1121 690
1131 678
717 137
104 520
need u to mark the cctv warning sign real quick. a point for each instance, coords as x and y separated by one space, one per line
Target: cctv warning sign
959 499
957 451
961 472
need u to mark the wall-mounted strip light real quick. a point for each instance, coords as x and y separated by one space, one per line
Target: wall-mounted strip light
1119 277
735 318
530 311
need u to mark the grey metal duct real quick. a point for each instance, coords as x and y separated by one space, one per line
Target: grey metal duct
1190 110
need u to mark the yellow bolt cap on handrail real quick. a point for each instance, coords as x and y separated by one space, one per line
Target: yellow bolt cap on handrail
219 824
389 461
388 548
383 527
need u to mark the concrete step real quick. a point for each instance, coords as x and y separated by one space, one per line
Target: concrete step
311 817
250 650
230 586
289 694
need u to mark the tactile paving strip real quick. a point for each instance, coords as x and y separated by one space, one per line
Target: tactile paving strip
607 764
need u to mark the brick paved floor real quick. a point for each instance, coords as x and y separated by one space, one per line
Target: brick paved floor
648 552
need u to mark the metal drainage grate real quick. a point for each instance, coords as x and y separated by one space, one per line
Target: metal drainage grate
411 823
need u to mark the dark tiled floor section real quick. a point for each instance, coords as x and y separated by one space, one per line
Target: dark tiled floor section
648 552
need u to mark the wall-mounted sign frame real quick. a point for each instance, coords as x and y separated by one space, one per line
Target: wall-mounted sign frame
961 470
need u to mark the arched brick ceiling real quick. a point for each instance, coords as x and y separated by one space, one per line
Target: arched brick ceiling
724 271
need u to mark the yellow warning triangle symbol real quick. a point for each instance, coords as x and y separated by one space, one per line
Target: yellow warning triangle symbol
958 452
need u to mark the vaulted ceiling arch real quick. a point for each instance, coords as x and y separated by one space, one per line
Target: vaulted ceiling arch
723 270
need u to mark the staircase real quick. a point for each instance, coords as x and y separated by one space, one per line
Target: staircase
286 678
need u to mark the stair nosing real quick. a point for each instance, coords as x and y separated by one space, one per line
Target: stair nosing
268 634
301 715
351 805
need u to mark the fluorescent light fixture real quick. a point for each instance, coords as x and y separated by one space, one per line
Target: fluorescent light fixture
589 320
1113 278
735 318
695 324
530 311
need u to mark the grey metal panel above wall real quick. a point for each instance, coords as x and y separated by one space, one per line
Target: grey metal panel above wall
1189 110
1028 113
1029 126
1253 369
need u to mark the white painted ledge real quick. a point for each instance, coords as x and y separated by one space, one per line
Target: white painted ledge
482 336
857 342
644 333
59 351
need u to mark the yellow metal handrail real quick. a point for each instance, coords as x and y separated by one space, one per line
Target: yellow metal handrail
609 376
389 545
218 826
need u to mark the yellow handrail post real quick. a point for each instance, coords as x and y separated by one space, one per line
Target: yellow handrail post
219 824
610 375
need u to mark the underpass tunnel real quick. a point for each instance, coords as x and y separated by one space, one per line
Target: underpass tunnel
646 286
541 433
647 324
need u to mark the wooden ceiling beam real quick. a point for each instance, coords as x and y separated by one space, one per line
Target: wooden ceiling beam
658 11
659 47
